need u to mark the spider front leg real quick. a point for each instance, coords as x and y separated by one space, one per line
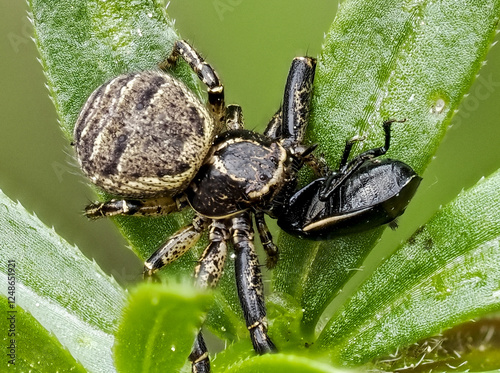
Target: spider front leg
211 264
204 71
249 283
297 100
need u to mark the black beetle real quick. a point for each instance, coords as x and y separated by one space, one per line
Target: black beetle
362 194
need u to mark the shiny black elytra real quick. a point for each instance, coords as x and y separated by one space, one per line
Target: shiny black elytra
362 194
145 138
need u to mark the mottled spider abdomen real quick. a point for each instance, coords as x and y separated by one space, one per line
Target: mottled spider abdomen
143 135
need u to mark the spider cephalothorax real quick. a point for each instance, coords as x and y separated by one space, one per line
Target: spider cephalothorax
148 140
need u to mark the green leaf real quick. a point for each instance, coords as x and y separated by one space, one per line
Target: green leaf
446 274
66 293
102 40
29 346
383 59
159 327
472 346
280 363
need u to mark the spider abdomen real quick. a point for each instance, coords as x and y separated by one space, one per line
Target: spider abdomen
143 135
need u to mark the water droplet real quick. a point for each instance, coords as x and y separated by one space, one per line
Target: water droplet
438 106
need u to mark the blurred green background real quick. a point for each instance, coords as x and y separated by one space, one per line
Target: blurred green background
251 44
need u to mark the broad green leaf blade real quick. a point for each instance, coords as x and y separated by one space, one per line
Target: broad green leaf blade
280 363
29 346
96 41
84 44
446 274
472 347
384 59
66 293
159 327
241 357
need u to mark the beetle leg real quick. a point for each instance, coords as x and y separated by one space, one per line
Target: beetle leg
204 71
207 274
347 150
346 170
135 207
376 152
175 246
249 283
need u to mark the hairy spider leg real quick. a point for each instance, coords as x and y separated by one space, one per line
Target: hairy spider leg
266 240
297 101
249 282
207 273
200 363
234 117
290 122
273 128
136 207
176 245
204 71
211 263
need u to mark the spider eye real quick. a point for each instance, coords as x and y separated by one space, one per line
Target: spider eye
273 159
263 177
